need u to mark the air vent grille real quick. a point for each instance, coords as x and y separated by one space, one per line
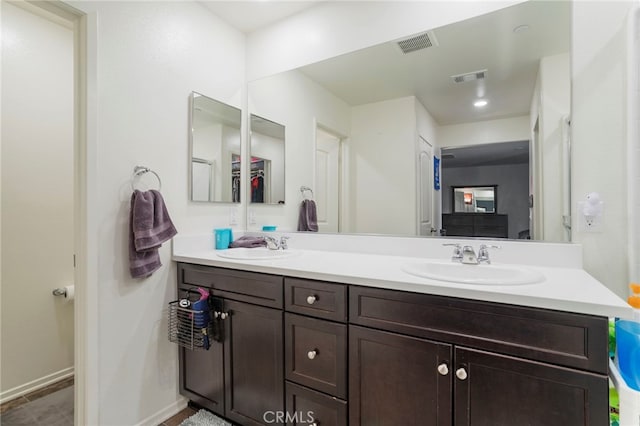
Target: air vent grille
419 42
470 76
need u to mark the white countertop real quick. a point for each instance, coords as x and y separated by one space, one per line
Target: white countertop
564 289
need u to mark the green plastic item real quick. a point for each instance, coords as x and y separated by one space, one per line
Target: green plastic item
614 407
612 338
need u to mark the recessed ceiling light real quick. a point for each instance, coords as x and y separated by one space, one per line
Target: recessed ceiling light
480 103
521 28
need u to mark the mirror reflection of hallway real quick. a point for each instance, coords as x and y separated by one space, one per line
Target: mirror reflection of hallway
328 180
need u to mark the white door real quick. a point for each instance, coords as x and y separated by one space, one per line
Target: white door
425 187
327 182
37 189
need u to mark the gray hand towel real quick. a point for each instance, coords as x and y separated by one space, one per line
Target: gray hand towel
149 227
248 242
308 217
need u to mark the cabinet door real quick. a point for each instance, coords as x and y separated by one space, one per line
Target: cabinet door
253 363
498 390
202 376
395 380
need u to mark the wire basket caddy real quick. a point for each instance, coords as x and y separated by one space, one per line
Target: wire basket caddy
188 327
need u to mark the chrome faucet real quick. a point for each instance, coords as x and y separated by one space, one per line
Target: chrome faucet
483 253
457 252
274 244
469 256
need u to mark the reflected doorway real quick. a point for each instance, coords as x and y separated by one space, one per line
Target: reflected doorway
328 180
504 167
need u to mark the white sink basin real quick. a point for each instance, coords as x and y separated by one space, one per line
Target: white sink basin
258 253
475 274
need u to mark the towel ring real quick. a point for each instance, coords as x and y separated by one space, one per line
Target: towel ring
306 188
139 171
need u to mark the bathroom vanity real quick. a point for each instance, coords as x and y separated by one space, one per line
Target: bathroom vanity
353 350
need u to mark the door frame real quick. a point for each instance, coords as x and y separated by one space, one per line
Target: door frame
85 246
343 177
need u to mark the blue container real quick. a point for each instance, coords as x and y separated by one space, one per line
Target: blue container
224 237
628 357
269 228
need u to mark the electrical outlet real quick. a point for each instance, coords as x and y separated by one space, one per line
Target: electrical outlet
589 223
233 216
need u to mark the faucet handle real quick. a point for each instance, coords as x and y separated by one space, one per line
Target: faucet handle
483 252
283 242
457 251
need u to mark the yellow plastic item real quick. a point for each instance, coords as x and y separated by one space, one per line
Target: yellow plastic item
634 300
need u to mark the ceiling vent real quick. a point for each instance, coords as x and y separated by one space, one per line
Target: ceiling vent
419 42
470 76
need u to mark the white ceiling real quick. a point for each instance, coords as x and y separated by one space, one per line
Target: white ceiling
485 42
248 16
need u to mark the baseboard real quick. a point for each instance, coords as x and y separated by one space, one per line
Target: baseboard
165 413
34 385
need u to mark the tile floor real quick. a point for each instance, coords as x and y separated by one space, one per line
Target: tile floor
51 406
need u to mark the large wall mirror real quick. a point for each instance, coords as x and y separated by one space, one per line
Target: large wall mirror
214 151
384 100
267 167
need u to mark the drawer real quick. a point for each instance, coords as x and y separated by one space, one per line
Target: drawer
316 354
251 287
316 298
308 406
572 340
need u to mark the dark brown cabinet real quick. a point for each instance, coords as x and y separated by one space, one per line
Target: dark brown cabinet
394 380
240 377
498 390
302 351
489 225
254 384
519 386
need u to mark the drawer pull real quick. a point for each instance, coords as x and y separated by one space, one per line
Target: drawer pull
461 374
312 354
443 369
312 299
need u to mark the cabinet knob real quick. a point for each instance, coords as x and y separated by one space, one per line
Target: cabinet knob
312 354
314 424
312 299
443 369
461 374
223 315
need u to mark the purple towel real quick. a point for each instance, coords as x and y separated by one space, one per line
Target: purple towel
308 217
149 227
248 242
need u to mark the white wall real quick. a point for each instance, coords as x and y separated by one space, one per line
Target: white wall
37 201
303 104
482 132
598 62
555 97
382 167
335 28
149 56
